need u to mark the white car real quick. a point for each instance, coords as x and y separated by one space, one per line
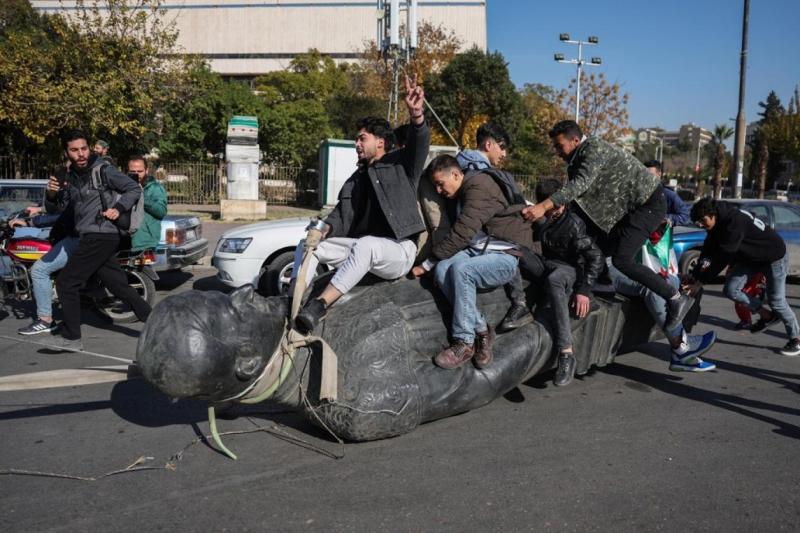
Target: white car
260 253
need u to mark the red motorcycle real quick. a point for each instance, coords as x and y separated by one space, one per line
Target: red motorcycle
18 254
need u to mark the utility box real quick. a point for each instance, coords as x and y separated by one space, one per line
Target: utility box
242 157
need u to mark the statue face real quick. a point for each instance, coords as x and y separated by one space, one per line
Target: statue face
210 345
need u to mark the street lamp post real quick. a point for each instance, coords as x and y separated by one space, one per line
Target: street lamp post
741 127
564 38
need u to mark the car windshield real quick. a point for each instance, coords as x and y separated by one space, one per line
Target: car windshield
15 197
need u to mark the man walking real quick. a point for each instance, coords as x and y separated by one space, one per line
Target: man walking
148 235
94 215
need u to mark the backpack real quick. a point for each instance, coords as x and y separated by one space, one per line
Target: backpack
129 221
504 180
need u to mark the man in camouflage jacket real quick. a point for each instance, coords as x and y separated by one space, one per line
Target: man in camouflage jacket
621 202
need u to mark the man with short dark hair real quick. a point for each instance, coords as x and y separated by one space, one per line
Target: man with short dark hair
739 239
373 226
97 194
479 252
677 209
492 143
621 203
154 194
572 262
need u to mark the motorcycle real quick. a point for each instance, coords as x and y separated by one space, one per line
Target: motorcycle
18 254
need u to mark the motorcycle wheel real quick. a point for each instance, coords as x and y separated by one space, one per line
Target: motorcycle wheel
120 312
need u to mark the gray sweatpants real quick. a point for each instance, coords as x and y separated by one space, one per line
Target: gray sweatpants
354 258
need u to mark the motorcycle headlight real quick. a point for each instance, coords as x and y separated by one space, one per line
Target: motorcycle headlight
234 246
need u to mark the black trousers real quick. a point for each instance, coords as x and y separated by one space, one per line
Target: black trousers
629 235
95 254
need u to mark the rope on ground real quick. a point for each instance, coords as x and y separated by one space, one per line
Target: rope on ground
276 430
54 347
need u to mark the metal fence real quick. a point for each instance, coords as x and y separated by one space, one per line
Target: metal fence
24 167
205 183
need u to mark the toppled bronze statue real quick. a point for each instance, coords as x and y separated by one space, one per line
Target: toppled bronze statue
384 335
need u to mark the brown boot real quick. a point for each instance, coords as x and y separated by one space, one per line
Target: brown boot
454 355
483 348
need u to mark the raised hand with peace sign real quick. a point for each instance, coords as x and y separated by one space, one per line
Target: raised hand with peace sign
415 100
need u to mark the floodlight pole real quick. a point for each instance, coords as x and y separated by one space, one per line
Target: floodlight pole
579 62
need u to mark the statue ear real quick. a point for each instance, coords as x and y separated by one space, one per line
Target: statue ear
242 296
246 367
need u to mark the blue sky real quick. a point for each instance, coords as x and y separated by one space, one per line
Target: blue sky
677 59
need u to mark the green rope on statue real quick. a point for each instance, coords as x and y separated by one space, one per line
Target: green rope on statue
212 423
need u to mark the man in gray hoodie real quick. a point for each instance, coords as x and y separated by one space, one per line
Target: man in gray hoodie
95 220
492 143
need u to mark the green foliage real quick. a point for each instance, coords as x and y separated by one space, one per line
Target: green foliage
194 123
96 70
531 152
475 85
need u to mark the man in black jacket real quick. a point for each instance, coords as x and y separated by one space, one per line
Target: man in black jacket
572 263
373 226
99 236
747 245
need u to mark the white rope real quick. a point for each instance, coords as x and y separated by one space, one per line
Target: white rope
55 347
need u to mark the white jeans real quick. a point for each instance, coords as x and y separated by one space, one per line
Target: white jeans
354 258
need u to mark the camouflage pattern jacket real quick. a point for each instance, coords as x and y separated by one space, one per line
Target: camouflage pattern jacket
606 182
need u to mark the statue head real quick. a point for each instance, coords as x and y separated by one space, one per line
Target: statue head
210 345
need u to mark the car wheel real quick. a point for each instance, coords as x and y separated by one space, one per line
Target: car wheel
276 276
688 261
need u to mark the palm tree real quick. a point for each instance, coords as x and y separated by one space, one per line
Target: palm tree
722 132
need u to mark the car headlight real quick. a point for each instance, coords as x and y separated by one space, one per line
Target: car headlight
234 246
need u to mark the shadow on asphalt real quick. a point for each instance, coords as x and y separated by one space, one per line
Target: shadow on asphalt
55 409
171 280
210 283
139 403
674 385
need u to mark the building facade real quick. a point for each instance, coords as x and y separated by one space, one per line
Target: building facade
245 38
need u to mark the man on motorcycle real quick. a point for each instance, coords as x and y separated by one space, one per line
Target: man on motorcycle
50 263
95 208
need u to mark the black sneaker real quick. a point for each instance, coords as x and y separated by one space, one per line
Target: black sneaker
762 324
565 370
791 349
39 326
310 315
517 316
676 310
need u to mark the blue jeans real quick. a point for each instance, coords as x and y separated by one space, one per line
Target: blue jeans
776 291
655 304
51 262
459 278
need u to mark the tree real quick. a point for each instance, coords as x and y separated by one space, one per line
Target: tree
436 47
603 109
194 123
531 152
722 132
49 82
475 87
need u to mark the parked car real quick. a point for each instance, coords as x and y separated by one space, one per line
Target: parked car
182 243
261 254
783 217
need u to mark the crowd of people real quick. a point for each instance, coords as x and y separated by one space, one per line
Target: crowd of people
462 220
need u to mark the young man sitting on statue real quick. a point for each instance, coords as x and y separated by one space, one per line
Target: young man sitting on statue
373 226
479 252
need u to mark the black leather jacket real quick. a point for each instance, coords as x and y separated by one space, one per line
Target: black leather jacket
565 239
395 178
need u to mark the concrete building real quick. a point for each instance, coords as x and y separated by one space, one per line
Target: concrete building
245 38
689 135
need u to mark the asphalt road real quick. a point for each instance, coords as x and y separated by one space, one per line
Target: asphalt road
632 447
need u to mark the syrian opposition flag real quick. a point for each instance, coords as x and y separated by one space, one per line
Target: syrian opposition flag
657 254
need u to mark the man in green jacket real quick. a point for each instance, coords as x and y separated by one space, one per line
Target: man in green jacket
621 203
155 206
